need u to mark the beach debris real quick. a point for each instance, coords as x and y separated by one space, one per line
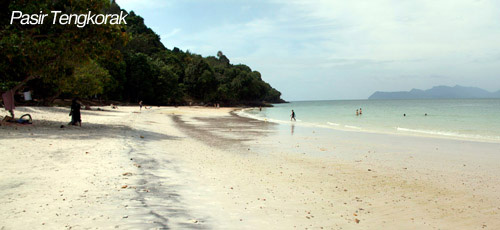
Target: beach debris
357 220
142 136
125 186
369 170
125 217
62 126
127 174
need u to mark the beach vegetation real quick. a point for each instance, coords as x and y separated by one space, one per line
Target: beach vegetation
127 62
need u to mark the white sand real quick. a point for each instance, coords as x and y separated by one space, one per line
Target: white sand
53 178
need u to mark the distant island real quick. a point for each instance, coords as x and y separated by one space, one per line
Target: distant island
437 92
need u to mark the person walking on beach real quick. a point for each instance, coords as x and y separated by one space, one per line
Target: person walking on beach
292 116
75 114
140 105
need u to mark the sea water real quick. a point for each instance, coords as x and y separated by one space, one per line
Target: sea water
470 119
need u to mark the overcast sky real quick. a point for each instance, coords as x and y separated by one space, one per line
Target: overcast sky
339 49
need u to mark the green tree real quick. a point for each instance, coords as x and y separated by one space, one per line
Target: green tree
39 51
200 80
87 80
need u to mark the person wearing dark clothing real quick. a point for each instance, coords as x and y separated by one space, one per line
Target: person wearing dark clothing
292 116
75 113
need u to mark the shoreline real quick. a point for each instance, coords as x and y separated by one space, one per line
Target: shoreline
398 130
392 170
205 168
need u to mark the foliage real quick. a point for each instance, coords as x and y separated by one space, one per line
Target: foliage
47 50
88 79
117 62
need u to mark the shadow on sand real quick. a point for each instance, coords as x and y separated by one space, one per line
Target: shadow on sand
49 129
94 112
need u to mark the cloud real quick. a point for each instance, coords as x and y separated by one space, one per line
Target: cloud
171 33
144 4
389 29
367 45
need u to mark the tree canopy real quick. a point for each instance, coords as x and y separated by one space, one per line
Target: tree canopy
126 63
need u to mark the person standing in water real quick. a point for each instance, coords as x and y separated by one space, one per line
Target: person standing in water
357 112
292 116
360 111
75 114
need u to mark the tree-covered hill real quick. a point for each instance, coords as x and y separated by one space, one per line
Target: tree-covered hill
125 63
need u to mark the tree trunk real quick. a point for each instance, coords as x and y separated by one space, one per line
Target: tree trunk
50 100
21 84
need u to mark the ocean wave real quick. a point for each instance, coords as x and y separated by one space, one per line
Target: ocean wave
245 113
331 123
387 130
447 133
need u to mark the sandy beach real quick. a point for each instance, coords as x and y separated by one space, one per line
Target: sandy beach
206 168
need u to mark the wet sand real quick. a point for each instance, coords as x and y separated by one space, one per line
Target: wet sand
203 168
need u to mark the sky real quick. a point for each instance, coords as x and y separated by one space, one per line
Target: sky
339 49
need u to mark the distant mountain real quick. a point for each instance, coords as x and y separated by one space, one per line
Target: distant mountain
497 94
437 92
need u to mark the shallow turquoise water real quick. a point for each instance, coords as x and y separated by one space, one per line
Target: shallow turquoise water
475 119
